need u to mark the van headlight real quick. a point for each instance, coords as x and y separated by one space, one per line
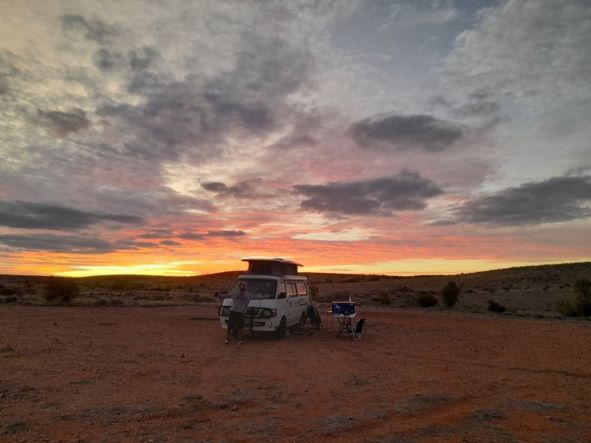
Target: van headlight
268 313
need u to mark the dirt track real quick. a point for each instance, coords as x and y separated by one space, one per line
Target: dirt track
164 374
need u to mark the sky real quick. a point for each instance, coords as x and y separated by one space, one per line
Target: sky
395 137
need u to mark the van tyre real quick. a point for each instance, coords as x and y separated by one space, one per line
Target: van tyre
282 328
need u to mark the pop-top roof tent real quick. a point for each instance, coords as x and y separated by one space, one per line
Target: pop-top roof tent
271 266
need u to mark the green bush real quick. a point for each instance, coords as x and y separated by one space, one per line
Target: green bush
493 306
427 301
580 306
450 294
61 289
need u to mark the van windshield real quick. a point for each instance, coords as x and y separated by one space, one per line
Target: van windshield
261 288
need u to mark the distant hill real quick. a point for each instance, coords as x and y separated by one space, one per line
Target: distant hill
523 290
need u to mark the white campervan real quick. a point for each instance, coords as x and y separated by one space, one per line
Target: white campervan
281 296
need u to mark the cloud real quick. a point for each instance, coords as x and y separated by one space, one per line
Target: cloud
295 141
220 233
61 123
58 243
170 243
143 58
130 244
74 244
95 30
409 16
351 235
27 215
526 49
406 132
226 233
191 236
4 89
156 234
554 200
480 108
193 116
243 189
402 192
107 60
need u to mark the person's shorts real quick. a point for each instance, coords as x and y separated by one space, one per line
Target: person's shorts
236 320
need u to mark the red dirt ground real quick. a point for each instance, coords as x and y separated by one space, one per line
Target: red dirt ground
164 374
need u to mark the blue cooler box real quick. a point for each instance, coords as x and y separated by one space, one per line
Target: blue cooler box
345 308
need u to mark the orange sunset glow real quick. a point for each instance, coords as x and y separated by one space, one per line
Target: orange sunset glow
354 137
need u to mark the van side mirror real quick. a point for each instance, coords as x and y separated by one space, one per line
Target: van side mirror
281 295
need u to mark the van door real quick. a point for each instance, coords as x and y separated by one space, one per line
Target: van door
282 302
293 309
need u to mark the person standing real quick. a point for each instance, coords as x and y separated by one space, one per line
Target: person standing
240 301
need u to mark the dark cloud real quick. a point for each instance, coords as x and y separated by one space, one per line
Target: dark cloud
477 108
554 200
130 244
26 215
4 89
62 123
57 243
191 236
256 116
193 116
145 83
75 244
201 236
226 233
295 141
141 59
170 243
107 60
156 234
404 191
95 30
243 189
407 132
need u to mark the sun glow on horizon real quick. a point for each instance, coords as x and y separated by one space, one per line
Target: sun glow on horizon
410 267
170 269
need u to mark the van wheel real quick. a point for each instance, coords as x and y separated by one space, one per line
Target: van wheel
282 328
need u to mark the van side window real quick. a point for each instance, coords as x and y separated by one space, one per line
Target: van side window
302 288
291 289
281 291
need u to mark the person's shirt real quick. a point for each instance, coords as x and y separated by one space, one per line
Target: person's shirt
240 302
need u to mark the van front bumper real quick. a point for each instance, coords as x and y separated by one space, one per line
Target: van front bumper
258 324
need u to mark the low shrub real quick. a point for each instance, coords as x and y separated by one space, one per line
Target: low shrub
493 306
382 298
568 308
61 289
580 306
427 301
450 294
8 290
